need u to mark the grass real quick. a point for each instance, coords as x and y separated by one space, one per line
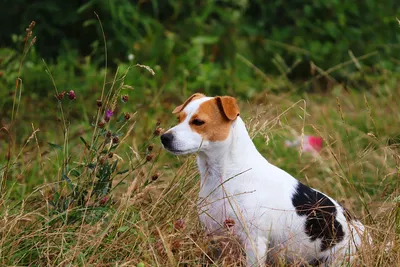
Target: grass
77 190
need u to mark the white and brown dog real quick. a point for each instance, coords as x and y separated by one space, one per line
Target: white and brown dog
276 217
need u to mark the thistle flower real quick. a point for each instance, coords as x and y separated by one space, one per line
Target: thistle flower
104 200
229 223
101 124
176 244
115 140
60 96
108 115
127 116
155 176
150 147
158 131
149 157
124 98
180 224
71 95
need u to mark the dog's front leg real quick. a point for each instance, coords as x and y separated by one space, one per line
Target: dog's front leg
256 251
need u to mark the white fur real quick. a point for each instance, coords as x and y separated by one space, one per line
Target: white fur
238 183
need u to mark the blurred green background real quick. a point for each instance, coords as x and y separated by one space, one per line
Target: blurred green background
213 46
323 67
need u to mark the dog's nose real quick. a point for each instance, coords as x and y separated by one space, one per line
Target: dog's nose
167 138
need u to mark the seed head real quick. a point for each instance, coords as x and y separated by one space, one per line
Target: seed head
102 160
110 155
33 41
229 223
101 124
150 147
124 98
104 200
155 176
150 157
127 116
176 244
99 103
108 134
71 95
158 123
180 224
33 23
60 96
115 140
158 131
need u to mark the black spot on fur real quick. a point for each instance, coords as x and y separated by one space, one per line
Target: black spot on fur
321 213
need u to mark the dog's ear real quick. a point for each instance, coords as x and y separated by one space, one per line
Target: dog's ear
193 97
228 107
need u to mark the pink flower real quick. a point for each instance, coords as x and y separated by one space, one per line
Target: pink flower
104 200
71 95
315 142
311 143
108 115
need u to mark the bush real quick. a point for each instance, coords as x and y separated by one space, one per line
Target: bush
324 31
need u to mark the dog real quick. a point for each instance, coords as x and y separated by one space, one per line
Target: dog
276 218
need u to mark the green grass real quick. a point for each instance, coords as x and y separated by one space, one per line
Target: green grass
65 200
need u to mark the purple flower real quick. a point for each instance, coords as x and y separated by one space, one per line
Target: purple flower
108 115
71 95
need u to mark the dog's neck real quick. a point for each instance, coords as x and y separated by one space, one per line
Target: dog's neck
233 157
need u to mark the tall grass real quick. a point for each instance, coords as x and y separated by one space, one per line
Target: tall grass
103 193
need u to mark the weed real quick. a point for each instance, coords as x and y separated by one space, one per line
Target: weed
91 186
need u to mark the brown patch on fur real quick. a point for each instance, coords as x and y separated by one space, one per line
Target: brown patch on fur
228 106
216 125
193 97
181 116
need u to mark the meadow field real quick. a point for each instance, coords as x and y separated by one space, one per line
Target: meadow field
84 180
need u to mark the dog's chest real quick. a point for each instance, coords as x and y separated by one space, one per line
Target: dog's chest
221 203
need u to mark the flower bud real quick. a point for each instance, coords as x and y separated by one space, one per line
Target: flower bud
149 157
124 98
99 103
71 95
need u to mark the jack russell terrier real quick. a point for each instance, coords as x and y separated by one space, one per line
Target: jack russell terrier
276 217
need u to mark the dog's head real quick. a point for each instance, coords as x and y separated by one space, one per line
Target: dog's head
204 123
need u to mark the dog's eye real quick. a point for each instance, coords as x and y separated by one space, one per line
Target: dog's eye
198 122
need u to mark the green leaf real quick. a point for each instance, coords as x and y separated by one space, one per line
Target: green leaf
122 172
55 146
205 40
66 178
91 165
69 182
122 229
84 141
75 173
114 166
